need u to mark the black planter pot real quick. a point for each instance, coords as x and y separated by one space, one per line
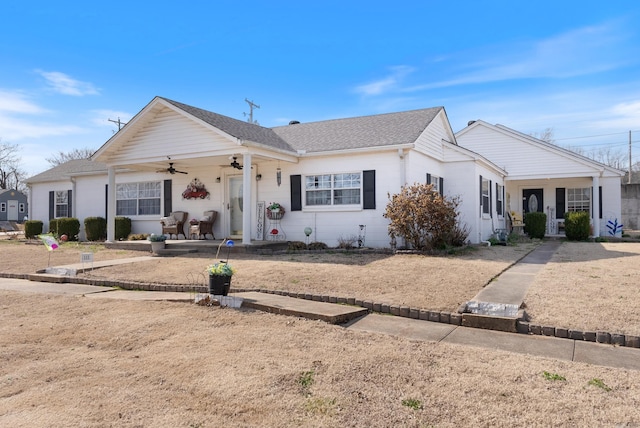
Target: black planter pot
219 285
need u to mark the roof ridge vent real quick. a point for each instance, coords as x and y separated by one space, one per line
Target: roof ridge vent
294 122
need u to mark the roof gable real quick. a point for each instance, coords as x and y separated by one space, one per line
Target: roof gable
526 156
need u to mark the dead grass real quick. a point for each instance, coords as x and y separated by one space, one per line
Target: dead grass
75 361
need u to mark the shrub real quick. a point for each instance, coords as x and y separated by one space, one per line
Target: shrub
123 228
577 225
95 228
318 246
535 224
296 246
347 242
424 218
32 228
69 226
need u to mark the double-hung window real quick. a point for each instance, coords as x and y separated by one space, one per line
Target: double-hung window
486 200
579 199
62 203
499 200
138 198
333 189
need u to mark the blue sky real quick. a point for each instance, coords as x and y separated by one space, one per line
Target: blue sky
67 67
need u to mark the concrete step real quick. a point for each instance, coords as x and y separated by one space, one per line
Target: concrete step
274 303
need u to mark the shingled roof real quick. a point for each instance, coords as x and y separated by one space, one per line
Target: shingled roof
358 132
237 128
68 169
338 134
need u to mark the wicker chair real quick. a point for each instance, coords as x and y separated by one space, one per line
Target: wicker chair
204 226
174 224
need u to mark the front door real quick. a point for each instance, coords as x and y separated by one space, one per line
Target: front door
235 204
12 212
532 201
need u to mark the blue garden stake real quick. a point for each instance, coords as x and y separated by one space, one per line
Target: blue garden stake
229 244
614 227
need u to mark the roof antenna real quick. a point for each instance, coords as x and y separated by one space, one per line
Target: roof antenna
252 105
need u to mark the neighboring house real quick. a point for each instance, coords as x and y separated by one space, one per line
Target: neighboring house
13 205
334 176
546 178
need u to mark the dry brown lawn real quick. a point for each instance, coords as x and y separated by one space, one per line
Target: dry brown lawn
76 361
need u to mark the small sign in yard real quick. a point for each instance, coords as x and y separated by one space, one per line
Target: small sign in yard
86 258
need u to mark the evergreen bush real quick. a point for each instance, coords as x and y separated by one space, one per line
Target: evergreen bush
123 228
69 226
535 224
95 228
32 228
577 225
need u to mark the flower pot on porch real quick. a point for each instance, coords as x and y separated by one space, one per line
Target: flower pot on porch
219 285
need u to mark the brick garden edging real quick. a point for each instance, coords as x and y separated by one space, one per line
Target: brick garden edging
454 318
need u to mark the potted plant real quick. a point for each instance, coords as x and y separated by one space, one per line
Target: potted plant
220 273
157 242
275 211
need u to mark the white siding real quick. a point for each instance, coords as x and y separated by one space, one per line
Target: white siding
430 141
169 134
521 159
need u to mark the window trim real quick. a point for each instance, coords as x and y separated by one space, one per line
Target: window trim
158 197
500 200
571 191
485 207
57 205
332 206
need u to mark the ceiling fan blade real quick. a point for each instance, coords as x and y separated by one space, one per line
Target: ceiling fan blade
180 172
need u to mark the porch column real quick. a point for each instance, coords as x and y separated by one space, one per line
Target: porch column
595 210
111 204
247 190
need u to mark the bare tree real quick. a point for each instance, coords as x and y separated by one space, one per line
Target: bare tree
11 175
62 157
546 135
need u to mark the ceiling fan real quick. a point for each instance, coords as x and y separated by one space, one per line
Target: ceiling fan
171 170
235 163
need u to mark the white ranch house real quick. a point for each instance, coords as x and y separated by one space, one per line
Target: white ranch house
332 176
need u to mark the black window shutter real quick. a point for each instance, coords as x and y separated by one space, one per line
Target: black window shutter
490 199
560 202
441 186
481 204
428 178
600 200
69 203
106 201
167 198
369 189
52 205
296 192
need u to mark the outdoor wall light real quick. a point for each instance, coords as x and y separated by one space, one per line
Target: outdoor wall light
258 177
217 179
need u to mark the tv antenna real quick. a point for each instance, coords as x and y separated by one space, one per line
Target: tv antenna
252 105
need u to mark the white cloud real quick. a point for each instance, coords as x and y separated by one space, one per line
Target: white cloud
579 52
64 84
17 102
398 73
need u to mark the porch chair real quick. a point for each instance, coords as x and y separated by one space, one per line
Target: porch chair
174 224
204 225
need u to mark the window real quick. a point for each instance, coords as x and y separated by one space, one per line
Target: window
499 199
579 199
21 207
486 200
3 207
138 198
435 182
62 204
333 189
